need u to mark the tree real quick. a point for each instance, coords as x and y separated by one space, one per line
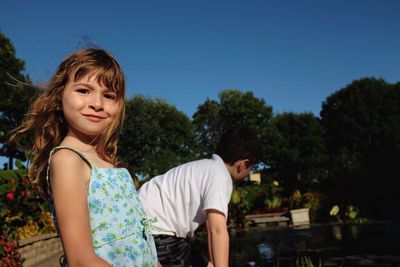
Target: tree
362 129
155 136
16 94
209 125
235 108
300 156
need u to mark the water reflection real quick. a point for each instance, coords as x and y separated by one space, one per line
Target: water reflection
266 252
330 243
337 232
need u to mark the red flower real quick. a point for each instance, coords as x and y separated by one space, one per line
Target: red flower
10 196
24 181
8 247
24 193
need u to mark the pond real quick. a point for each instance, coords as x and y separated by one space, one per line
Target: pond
369 244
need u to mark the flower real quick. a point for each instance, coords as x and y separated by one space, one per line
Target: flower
9 246
9 255
10 196
21 205
296 200
334 211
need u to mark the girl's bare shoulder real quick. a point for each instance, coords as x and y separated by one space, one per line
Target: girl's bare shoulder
65 162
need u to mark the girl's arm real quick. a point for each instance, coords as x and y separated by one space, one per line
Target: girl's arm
69 179
218 238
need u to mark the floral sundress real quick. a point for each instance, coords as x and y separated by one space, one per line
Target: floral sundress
120 228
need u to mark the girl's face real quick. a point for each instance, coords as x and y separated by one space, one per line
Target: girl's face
89 107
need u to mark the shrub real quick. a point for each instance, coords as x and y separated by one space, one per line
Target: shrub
22 212
310 199
350 214
9 256
250 199
244 200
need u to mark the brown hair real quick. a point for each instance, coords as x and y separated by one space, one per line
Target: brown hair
45 119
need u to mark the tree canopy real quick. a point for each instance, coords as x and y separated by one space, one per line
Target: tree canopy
235 108
300 156
155 136
16 93
362 125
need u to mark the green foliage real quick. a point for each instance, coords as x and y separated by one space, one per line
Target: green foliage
296 200
362 133
350 214
9 64
253 199
19 204
307 200
299 158
155 136
207 121
250 197
359 118
235 108
9 256
245 200
311 199
273 202
16 93
305 261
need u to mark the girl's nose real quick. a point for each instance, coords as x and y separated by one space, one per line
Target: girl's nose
97 102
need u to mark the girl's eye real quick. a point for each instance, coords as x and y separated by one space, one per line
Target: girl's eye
110 96
83 91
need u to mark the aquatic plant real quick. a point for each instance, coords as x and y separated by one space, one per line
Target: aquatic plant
306 261
350 214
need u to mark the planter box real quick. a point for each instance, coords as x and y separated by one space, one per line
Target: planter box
38 248
268 218
300 217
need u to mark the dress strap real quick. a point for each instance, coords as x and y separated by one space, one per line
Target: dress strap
63 147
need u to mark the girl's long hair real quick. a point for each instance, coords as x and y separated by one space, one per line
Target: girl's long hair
45 119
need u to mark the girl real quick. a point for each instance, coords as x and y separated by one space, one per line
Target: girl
76 124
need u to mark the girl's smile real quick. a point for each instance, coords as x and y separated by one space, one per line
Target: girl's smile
94 118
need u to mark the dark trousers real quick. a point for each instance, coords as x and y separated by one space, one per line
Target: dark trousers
178 252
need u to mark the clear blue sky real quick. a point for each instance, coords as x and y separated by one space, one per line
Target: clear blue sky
293 54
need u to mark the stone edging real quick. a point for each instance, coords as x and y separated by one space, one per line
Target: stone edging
38 248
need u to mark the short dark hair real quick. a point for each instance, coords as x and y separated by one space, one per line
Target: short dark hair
238 144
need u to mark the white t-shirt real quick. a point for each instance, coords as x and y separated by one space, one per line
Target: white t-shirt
180 198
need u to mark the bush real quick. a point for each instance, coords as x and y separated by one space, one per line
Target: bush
310 199
22 212
9 256
254 199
